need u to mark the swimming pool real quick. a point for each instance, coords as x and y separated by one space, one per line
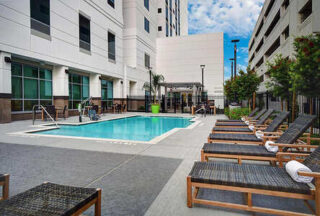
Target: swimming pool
137 128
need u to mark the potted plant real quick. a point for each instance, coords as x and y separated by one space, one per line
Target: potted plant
156 79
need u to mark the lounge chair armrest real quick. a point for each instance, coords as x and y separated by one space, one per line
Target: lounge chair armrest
270 137
292 154
311 174
293 145
311 138
275 133
261 125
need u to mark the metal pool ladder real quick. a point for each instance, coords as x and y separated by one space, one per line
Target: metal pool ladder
40 107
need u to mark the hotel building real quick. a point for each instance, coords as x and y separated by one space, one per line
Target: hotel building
280 21
62 52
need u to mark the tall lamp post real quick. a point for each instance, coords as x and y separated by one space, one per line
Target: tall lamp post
150 92
235 56
202 87
231 59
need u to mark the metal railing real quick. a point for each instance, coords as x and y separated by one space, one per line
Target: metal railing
40 107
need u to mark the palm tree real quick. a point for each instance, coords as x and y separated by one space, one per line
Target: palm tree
156 79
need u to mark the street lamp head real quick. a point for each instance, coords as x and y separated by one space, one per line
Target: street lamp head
231 59
202 66
235 41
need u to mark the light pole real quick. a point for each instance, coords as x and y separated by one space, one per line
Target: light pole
202 88
231 59
150 92
235 56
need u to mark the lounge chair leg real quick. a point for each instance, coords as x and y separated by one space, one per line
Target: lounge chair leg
317 203
5 187
272 163
239 161
189 192
249 199
97 206
202 155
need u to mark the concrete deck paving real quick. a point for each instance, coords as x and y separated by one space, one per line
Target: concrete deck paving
136 178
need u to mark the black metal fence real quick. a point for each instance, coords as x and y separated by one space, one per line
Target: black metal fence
174 104
266 100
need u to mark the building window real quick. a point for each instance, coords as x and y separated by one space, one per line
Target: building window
306 11
84 32
146 4
286 33
146 60
31 86
106 94
159 10
40 15
111 3
78 89
159 28
285 4
146 25
167 13
170 30
111 46
167 29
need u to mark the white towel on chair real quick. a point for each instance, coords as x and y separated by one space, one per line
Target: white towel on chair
247 122
243 118
251 127
259 134
293 167
270 148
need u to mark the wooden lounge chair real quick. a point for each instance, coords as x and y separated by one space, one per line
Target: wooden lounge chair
261 124
251 152
254 179
52 199
233 120
4 182
301 124
241 124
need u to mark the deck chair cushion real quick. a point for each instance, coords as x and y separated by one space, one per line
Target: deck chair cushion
235 137
246 175
265 116
222 129
259 114
230 124
277 121
250 150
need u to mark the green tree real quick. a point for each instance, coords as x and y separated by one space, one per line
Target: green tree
230 90
280 83
156 79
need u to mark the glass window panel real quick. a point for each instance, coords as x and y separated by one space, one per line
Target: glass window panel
104 94
45 102
104 83
110 90
40 10
45 74
75 104
45 89
85 80
84 28
76 92
76 78
28 104
111 46
16 105
70 104
16 87
85 92
30 88
16 69
29 71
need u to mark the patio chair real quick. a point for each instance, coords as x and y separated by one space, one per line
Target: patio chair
4 182
64 111
52 199
254 179
51 109
295 130
246 130
240 124
234 120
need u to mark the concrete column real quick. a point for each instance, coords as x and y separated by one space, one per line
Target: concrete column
5 88
95 89
165 98
118 88
194 95
60 87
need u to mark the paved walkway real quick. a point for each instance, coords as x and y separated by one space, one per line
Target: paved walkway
177 153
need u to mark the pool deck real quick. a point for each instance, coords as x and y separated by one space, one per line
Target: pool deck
117 165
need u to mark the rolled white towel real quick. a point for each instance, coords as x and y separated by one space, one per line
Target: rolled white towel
270 148
251 127
259 134
243 118
247 122
293 167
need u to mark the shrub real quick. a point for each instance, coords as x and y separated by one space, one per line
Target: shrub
238 113
141 108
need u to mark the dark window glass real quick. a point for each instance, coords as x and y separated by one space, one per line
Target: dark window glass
28 104
146 4
16 69
45 74
159 10
78 89
146 60
159 28
167 29
146 25
16 87
106 93
30 88
29 71
306 11
16 105
111 3
167 13
45 89
84 32
111 46
40 15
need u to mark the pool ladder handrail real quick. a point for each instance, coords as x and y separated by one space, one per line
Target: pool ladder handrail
83 102
44 109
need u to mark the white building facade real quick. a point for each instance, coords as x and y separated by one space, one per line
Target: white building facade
62 52
277 26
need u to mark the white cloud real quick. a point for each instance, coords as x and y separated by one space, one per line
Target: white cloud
234 17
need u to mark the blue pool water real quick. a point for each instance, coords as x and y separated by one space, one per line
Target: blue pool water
138 128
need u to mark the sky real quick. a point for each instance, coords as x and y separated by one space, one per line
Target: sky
236 18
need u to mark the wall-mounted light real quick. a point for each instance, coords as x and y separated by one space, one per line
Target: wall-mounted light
100 77
7 59
121 82
66 71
